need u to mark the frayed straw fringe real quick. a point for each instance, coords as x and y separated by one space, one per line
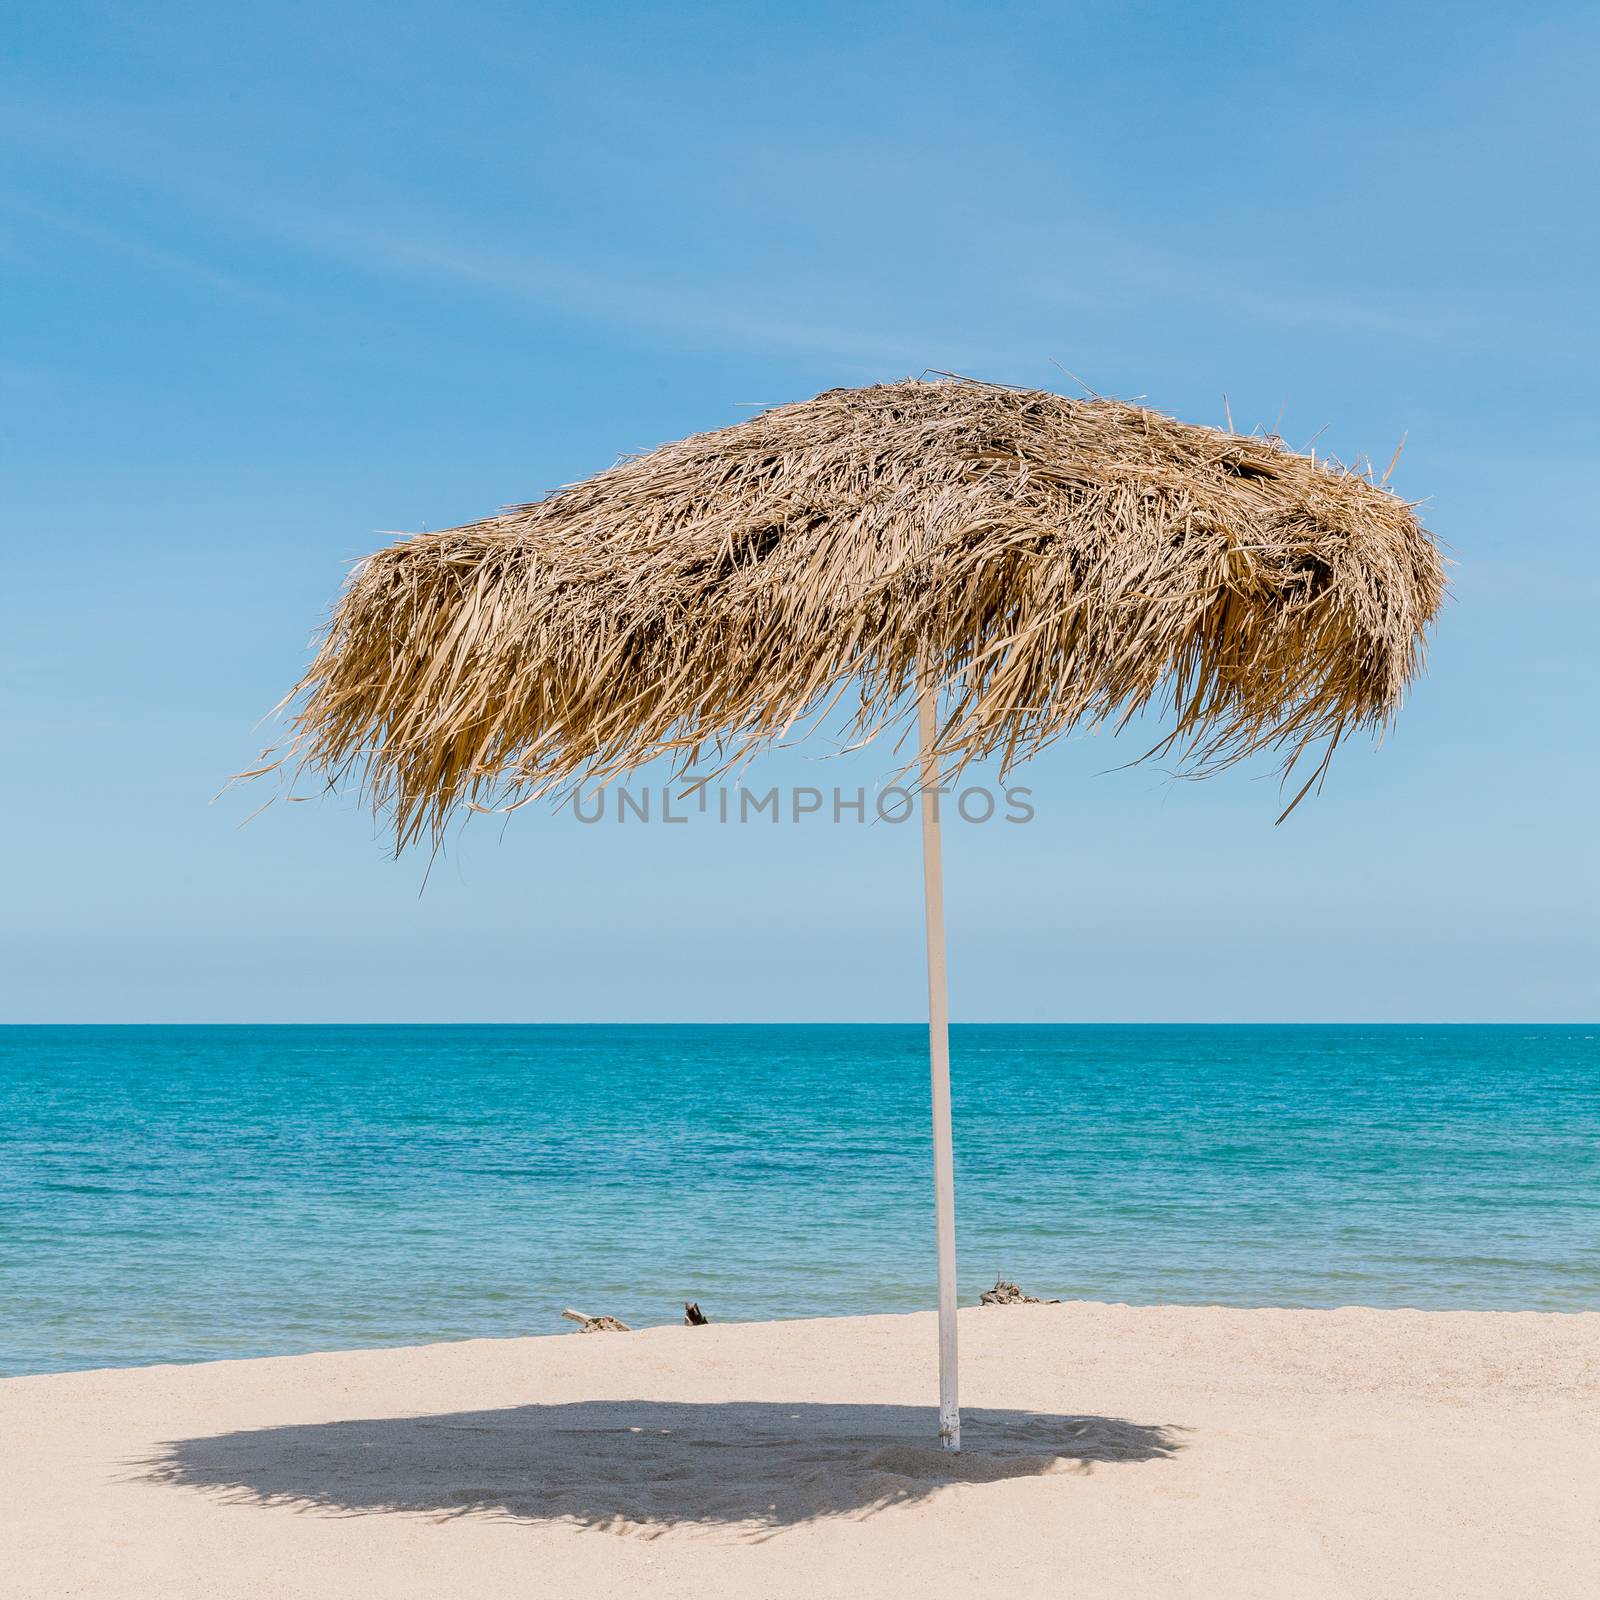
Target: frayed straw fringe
1047 563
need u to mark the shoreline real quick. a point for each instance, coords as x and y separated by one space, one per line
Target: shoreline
1165 1451
566 1330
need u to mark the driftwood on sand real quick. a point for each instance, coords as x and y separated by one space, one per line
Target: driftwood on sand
693 1316
1008 1294
596 1324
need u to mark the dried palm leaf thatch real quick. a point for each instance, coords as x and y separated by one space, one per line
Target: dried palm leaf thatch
1046 562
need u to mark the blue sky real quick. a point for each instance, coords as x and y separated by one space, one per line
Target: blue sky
281 279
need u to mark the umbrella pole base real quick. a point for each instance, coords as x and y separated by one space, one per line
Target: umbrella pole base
950 1428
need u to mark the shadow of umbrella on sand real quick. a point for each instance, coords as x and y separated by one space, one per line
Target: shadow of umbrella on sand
643 1466
1013 563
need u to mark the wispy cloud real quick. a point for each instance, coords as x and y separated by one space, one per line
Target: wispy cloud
1155 276
132 247
727 313
830 318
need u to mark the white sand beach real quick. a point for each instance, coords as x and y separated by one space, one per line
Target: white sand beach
1111 1450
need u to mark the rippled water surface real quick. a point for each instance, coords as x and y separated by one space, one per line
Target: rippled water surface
192 1192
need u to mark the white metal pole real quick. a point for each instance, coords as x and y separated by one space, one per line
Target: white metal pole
944 1182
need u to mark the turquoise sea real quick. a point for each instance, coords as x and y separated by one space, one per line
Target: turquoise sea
183 1193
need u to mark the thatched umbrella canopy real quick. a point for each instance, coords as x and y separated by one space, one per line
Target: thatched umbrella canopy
1026 563
1051 562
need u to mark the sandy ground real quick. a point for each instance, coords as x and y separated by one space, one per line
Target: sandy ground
1111 1451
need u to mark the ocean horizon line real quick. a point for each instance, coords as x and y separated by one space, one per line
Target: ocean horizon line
832 1022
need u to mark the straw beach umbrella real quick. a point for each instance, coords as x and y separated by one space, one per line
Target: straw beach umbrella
1014 563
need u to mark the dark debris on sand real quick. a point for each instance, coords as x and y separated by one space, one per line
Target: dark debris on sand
1008 1294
